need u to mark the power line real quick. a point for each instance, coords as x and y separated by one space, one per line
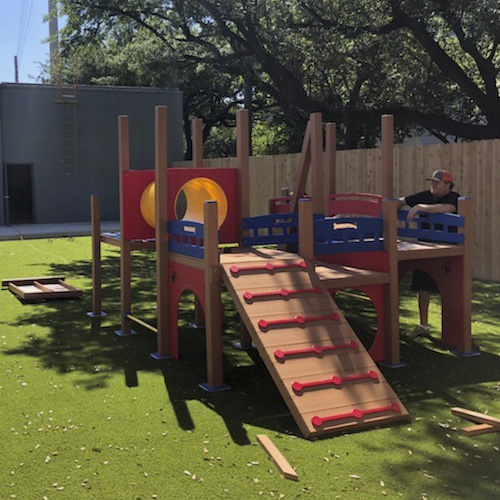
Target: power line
24 22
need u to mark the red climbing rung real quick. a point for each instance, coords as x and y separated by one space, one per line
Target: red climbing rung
314 349
356 413
283 292
297 320
335 380
268 267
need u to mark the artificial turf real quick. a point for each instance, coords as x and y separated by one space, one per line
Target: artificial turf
86 414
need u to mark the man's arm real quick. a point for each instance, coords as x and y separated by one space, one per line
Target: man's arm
401 203
438 208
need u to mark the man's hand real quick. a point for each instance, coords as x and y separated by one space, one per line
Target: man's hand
412 212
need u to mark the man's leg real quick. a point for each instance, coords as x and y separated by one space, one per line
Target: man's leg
424 299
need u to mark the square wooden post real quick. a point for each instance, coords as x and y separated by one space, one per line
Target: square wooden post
213 304
330 161
391 295
306 230
387 156
95 216
125 247
167 343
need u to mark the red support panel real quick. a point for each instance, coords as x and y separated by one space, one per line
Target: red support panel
356 413
335 380
282 292
297 320
314 349
267 267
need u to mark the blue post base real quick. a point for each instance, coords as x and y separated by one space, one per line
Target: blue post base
159 357
240 346
392 365
120 333
209 388
197 326
465 354
90 314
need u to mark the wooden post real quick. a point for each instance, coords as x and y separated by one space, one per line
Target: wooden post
304 164
95 216
387 156
213 305
391 295
318 181
197 134
243 162
465 209
306 229
331 161
125 247
167 344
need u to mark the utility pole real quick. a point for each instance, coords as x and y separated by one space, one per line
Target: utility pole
16 70
53 29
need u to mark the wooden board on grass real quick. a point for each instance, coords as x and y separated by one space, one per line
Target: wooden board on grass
43 288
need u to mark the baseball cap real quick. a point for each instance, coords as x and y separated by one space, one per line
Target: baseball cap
441 175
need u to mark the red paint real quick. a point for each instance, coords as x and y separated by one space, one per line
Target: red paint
297 320
357 414
267 267
314 349
282 292
135 181
335 380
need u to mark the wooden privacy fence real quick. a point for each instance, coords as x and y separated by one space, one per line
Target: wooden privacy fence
475 167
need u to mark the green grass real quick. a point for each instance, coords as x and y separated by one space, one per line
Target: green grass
89 415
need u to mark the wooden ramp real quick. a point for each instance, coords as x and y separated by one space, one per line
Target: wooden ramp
323 372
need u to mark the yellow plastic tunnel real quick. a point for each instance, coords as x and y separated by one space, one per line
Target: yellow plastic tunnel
188 201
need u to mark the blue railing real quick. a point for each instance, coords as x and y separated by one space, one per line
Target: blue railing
348 234
273 229
186 238
441 228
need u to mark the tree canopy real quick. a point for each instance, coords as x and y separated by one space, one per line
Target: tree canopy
434 64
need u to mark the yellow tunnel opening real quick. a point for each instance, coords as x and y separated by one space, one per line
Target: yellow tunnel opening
188 201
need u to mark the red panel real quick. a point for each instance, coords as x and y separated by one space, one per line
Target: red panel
227 178
373 261
355 203
135 181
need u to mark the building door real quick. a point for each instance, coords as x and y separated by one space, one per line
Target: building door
19 194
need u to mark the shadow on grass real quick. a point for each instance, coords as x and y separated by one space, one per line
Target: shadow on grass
70 341
65 339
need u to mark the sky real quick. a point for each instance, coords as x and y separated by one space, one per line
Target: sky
23 33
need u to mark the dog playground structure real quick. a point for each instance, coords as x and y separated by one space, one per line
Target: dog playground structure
327 378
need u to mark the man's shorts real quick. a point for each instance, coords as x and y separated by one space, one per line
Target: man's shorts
422 282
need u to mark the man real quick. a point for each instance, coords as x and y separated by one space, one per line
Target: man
439 199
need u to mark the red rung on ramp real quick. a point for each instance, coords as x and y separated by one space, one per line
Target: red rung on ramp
356 413
335 380
282 292
235 270
314 349
297 320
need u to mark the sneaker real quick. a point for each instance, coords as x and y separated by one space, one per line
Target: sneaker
418 331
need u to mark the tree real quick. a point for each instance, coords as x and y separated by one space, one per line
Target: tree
432 63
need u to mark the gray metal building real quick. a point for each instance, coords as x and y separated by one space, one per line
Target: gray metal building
59 145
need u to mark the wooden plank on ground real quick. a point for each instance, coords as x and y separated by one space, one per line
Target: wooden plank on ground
277 457
476 416
475 430
29 281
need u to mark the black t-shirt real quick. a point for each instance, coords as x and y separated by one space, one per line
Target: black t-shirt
427 198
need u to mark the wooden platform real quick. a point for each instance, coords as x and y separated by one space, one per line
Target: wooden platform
322 370
43 288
